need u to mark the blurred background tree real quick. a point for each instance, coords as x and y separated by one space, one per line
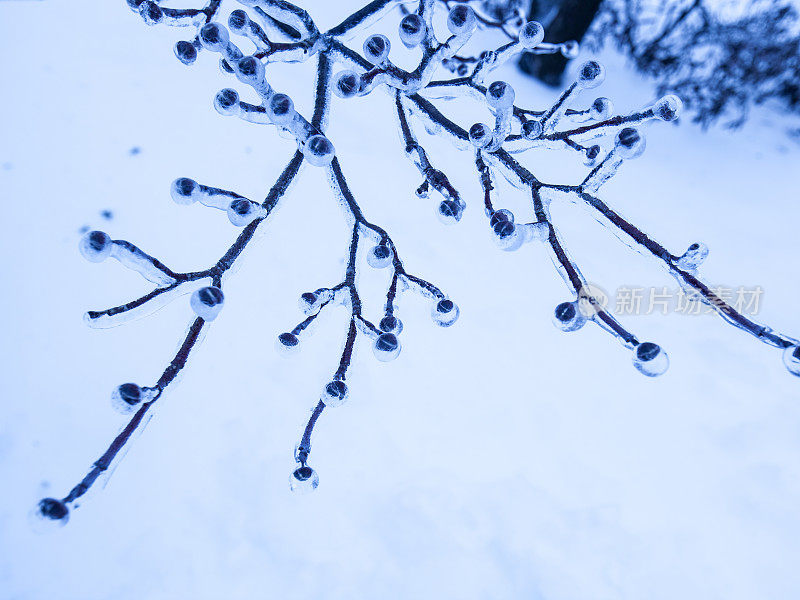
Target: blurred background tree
721 58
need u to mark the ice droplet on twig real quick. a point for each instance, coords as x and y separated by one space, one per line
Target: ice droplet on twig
303 480
567 317
207 302
334 393
650 359
791 358
386 347
445 312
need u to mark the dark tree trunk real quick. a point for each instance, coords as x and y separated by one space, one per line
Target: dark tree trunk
570 23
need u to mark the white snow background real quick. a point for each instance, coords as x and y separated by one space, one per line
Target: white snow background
499 458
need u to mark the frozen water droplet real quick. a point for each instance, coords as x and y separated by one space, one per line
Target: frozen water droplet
592 156
387 347
567 317
391 324
346 84
334 394
650 359
694 256
214 37
183 190
601 109
412 30
238 21
250 70
668 108
319 151
630 143
280 109
380 256
791 358
226 102
591 74
242 212
186 52
480 135
127 397
95 246
207 302
49 514
287 344
377 48
303 480
500 95
151 13
445 312
450 212
531 34
570 49
461 20
531 129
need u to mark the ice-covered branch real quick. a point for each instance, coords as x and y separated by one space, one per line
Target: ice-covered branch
279 31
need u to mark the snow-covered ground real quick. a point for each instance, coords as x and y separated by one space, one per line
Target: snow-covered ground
499 458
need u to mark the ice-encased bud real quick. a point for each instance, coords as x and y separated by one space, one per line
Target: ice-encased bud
214 37
412 30
280 109
480 135
531 129
630 143
509 237
250 70
377 48
287 343
242 212
668 108
126 397
592 155
531 34
380 256
334 393
227 102
450 211
570 49
500 95
95 246
567 317
601 109
386 347
650 359
791 358
461 20
303 480
445 312
238 21
693 257
319 151
50 513
207 302
346 84
591 74
186 52
151 13
309 303
391 324
183 190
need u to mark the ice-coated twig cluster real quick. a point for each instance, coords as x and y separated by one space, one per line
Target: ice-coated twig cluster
278 31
